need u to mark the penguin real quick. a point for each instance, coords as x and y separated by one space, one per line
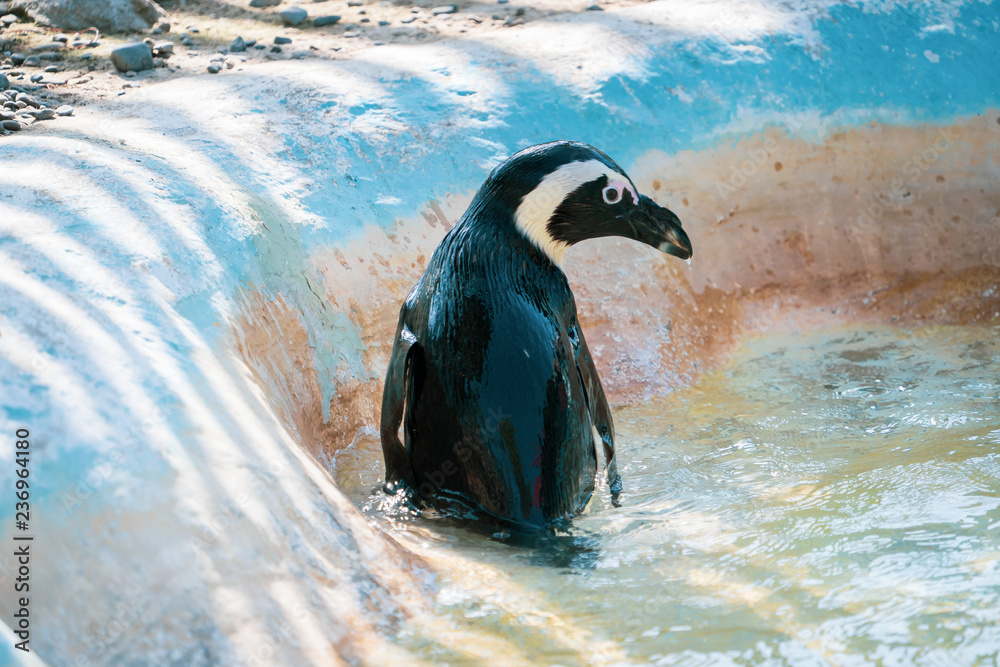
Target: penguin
490 374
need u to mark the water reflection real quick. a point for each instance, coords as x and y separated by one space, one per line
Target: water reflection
830 498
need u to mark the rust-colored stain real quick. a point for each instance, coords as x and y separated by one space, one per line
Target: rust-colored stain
846 232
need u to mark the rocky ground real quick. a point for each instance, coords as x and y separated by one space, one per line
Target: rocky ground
46 72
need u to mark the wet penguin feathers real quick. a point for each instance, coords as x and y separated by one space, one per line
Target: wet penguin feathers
490 375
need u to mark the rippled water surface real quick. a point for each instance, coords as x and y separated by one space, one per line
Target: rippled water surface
824 498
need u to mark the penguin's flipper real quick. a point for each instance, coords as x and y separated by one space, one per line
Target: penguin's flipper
597 405
398 467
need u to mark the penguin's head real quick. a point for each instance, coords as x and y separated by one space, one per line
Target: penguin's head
564 192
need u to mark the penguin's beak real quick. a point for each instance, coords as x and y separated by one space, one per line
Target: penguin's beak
659 227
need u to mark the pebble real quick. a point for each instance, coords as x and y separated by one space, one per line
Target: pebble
65 110
299 55
33 61
443 9
265 3
282 40
11 125
60 38
27 99
238 45
163 26
4 82
595 8
251 42
409 19
275 49
383 23
42 114
17 58
350 34
354 3
6 114
365 20
48 46
163 49
293 15
51 68
8 19
214 67
260 46
35 78
130 74
325 20
133 57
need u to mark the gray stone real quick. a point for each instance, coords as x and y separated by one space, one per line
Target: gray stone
61 38
6 114
595 8
10 125
238 45
444 9
215 67
51 69
132 57
27 100
409 19
163 26
35 78
106 15
49 46
275 49
4 82
366 20
163 49
383 23
320 21
300 54
350 34
48 55
265 3
293 15
8 19
42 114
17 58
33 61
65 110
354 3
282 40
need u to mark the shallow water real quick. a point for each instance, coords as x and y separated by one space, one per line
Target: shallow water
824 498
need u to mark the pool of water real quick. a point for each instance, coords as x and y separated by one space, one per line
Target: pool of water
824 498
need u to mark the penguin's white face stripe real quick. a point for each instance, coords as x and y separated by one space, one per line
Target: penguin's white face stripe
537 207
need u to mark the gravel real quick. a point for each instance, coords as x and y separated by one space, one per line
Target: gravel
134 57
293 15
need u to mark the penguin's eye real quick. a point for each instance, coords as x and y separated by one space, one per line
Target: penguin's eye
612 194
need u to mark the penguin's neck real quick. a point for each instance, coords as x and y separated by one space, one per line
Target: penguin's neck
488 229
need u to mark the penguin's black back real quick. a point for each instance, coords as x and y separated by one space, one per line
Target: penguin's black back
496 412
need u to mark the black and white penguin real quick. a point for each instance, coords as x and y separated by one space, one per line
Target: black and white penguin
490 373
